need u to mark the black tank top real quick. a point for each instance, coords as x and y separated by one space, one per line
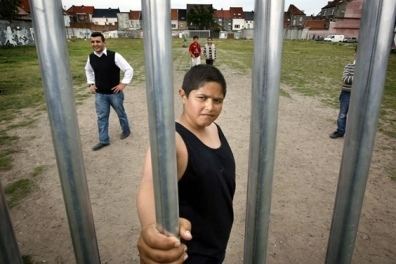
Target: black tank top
206 191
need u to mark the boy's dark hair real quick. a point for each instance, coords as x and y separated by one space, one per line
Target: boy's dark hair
195 37
200 74
97 34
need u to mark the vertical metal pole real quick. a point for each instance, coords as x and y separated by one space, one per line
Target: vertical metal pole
159 69
268 29
55 70
376 32
9 251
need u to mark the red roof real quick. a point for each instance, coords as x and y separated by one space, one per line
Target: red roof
134 15
236 12
174 15
223 14
73 10
293 10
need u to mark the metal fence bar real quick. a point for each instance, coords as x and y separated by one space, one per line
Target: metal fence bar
268 30
53 56
375 37
159 82
9 251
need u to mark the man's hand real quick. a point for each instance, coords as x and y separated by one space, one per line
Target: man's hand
92 88
155 247
118 88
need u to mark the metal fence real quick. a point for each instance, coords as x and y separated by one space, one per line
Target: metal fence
374 46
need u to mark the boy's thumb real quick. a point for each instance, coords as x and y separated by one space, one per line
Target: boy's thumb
185 229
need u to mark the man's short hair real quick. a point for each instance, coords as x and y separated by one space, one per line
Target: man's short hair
200 74
98 34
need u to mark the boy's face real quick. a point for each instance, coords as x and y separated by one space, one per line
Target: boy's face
97 44
203 105
195 39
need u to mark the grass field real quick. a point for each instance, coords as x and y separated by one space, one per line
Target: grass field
311 68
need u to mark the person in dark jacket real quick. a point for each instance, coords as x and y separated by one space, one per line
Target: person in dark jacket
206 179
103 77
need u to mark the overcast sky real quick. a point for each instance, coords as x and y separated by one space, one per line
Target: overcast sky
308 6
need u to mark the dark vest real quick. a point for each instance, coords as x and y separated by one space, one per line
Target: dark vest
206 191
107 73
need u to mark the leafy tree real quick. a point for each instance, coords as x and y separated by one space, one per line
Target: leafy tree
9 9
200 17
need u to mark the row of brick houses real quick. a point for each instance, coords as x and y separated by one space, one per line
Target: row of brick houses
336 17
234 19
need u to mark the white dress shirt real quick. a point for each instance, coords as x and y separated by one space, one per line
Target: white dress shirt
119 61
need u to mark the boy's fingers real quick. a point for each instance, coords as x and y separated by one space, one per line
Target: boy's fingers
148 260
154 239
149 255
185 229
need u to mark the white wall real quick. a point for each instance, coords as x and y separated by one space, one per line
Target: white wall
123 21
16 33
104 21
238 24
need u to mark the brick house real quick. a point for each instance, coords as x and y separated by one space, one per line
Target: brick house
238 18
223 18
317 27
347 17
249 20
80 16
135 20
293 18
174 19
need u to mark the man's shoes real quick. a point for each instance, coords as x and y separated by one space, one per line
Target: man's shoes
99 146
336 134
124 135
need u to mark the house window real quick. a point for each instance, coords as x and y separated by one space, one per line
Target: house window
173 25
236 26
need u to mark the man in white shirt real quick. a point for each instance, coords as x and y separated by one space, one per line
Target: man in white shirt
103 77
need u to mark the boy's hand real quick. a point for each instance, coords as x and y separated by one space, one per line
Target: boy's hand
155 247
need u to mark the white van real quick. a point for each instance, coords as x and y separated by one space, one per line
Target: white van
334 38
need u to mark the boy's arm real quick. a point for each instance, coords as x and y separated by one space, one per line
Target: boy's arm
152 245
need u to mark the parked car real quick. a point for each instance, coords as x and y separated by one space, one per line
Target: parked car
350 40
334 38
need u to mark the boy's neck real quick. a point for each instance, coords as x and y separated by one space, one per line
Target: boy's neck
190 126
